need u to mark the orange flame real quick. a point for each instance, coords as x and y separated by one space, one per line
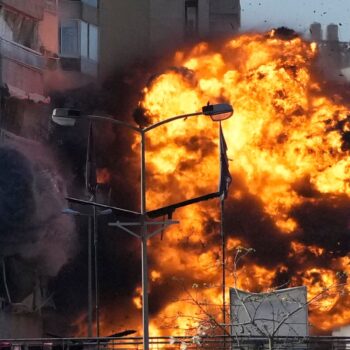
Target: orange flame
285 132
103 176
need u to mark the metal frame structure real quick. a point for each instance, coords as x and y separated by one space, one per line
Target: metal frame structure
167 342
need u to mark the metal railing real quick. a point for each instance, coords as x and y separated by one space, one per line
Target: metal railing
21 54
189 343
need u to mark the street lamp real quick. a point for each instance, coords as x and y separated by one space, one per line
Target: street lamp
217 112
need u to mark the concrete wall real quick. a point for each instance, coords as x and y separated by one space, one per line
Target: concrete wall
89 14
342 332
32 8
167 28
124 33
167 24
69 9
203 18
48 32
225 17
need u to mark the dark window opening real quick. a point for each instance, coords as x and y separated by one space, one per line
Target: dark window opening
191 18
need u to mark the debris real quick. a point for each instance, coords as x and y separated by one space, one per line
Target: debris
285 33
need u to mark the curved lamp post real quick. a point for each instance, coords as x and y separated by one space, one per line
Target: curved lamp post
68 117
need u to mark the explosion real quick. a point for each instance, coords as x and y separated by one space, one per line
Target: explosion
290 168
288 143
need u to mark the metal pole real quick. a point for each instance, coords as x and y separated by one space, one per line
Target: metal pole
89 276
223 248
143 172
145 320
97 309
223 243
1 98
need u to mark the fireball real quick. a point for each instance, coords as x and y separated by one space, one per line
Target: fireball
288 143
289 157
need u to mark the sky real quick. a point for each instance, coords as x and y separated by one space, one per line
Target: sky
296 14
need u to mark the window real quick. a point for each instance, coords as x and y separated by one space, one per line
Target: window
79 39
84 43
19 28
93 3
191 18
69 40
93 42
89 41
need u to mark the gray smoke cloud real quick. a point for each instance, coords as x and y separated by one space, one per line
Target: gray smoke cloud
32 193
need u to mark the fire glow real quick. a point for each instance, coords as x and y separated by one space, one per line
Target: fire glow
290 169
103 176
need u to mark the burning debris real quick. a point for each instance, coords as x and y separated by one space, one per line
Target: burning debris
285 33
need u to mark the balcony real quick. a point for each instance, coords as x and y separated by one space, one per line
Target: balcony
21 54
32 8
21 67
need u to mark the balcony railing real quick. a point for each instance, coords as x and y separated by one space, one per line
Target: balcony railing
21 54
175 343
32 8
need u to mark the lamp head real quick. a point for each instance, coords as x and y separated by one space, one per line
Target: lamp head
65 116
69 211
106 212
218 112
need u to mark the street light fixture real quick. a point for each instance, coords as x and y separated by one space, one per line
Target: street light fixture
218 112
68 117
70 211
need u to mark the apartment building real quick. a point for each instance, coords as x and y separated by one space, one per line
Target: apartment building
98 37
27 50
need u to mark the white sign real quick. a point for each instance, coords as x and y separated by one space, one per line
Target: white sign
278 313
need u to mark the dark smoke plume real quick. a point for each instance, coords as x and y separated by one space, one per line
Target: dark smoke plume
33 232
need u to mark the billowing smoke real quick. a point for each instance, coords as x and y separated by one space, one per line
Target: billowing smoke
33 232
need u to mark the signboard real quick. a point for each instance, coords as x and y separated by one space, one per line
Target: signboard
278 313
